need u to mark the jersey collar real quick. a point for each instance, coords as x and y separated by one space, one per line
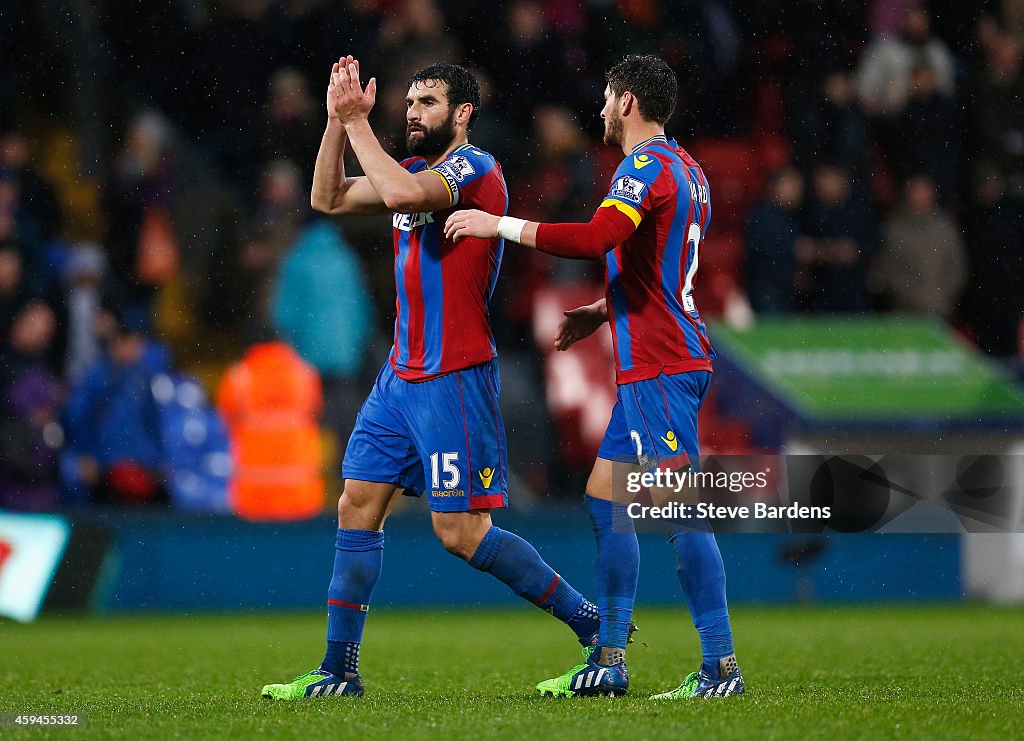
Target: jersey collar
655 138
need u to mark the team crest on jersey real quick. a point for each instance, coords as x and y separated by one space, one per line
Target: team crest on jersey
629 189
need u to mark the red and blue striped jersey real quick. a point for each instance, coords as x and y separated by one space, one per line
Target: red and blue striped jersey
649 277
442 322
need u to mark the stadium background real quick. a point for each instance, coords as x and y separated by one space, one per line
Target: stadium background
155 160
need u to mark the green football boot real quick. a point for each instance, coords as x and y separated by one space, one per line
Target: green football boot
700 684
317 683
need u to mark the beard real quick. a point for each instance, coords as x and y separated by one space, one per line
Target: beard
613 130
431 142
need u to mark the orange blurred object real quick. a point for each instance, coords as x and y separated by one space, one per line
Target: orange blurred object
271 401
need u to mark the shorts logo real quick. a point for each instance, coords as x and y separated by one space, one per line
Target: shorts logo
446 493
629 189
671 441
485 477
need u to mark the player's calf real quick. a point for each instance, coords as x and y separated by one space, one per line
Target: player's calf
516 563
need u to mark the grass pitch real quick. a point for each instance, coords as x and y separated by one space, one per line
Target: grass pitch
955 672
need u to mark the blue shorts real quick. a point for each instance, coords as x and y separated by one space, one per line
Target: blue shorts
654 422
443 437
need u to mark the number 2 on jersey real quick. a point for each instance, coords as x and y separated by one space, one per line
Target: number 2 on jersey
693 246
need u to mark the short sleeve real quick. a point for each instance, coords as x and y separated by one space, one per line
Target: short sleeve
462 167
631 185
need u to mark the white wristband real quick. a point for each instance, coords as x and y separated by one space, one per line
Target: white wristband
511 228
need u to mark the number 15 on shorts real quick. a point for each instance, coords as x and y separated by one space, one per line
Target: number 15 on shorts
448 466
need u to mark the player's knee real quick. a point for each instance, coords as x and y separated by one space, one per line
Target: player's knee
355 512
599 485
456 539
347 510
453 541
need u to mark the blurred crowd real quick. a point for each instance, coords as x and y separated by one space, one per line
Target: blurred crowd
155 162
904 192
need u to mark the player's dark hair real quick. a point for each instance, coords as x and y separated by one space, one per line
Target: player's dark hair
462 86
652 82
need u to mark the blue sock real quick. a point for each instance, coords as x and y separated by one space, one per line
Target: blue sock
357 561
512 560
618 568
702 577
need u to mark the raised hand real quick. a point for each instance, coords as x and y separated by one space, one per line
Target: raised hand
351 102
333 91
471 223
579 323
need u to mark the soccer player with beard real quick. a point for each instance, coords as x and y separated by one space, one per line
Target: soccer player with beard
648 231
431 424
